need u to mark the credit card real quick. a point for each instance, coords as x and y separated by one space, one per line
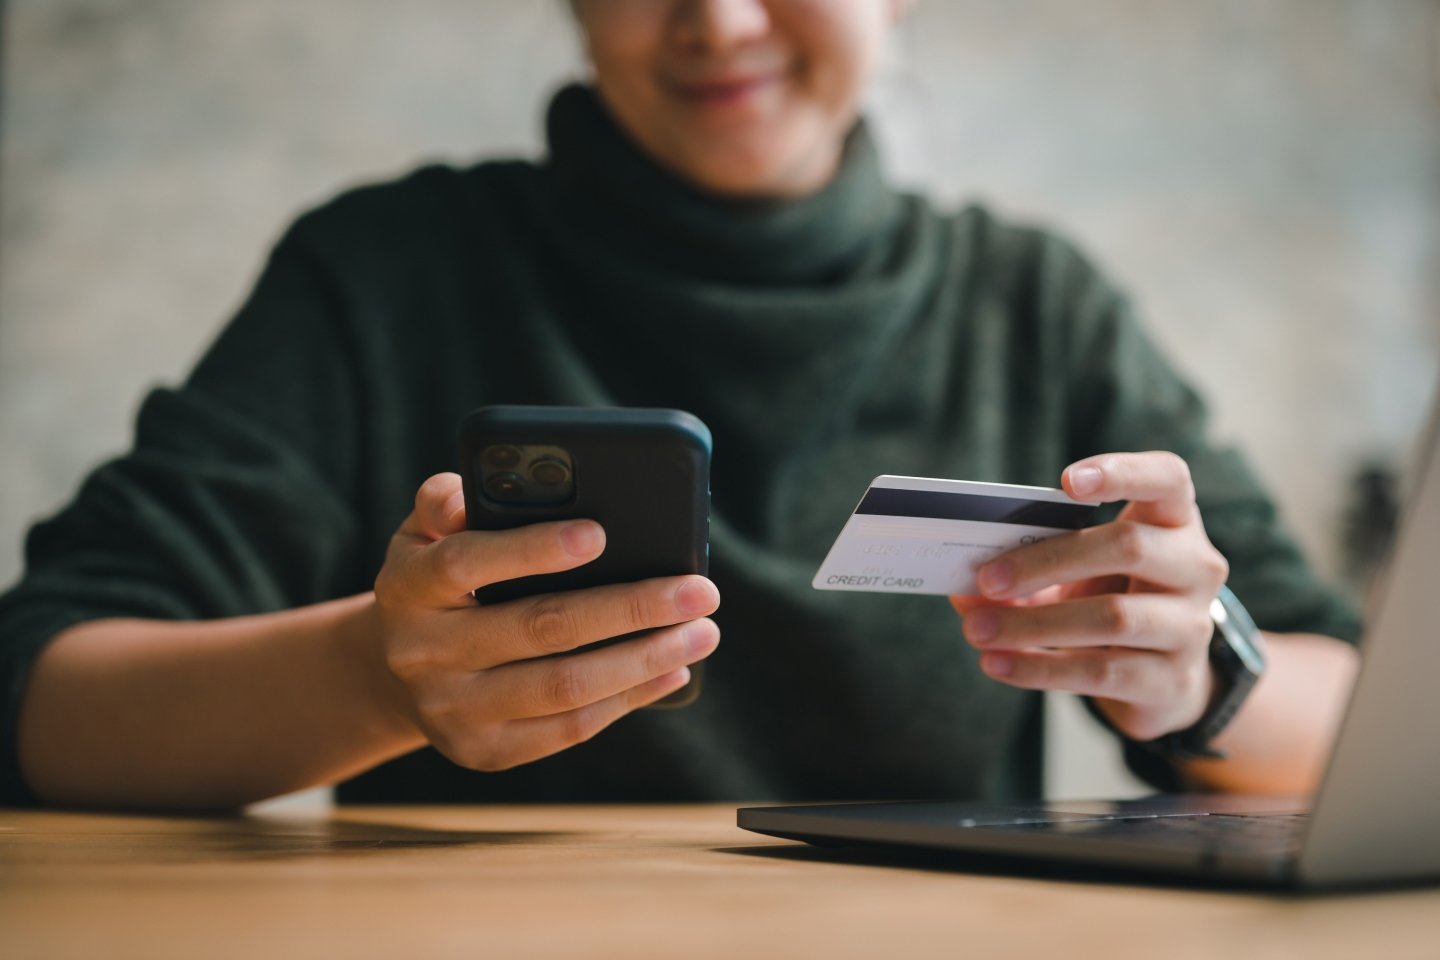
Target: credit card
917 535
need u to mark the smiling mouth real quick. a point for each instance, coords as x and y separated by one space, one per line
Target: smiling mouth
725 91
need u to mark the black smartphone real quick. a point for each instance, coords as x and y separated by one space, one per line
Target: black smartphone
642 474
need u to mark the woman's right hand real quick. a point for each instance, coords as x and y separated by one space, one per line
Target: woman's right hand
480 682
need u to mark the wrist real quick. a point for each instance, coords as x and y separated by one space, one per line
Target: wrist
388 703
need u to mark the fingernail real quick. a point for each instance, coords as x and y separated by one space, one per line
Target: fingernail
1086 480
981 625
997 664
696 596
583 538
453 505
699 637
995 578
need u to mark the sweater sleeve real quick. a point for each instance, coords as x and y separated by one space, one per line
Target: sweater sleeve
234 498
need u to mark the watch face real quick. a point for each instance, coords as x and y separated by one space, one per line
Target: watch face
1239 631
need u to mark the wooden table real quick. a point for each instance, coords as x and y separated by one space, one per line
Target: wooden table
502 882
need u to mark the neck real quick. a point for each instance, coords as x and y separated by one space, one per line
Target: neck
617 194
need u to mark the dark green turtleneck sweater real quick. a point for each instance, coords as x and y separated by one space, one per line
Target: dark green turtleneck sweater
856 332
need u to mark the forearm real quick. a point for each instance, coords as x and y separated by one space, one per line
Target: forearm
1281 738
210 714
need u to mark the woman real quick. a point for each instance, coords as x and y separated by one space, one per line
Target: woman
709 231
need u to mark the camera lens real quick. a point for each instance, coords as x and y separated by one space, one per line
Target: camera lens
503 456
505 486
549 472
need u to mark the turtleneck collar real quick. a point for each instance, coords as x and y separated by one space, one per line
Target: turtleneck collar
626 199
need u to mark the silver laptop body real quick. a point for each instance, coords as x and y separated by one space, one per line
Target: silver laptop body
1373 821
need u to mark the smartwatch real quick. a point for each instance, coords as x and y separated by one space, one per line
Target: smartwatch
1237 655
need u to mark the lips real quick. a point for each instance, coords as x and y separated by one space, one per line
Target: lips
725 89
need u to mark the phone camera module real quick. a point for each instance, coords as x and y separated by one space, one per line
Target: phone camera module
527 475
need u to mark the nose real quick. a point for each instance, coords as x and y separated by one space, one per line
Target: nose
718 24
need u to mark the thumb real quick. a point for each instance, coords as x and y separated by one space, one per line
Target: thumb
439 509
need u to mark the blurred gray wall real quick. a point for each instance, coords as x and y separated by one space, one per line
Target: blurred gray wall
1263 175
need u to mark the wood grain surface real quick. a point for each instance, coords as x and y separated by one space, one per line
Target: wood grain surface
622 882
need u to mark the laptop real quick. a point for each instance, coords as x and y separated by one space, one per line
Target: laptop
1372 821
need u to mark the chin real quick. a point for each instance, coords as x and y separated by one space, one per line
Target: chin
754 173
737 184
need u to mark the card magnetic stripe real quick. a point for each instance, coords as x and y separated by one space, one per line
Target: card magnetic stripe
892 502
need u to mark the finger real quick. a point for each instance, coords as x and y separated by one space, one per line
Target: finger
560 622
1178 559
444 573
1157 482
439 509
540 688
1130 675
1144 621
963 604
531 739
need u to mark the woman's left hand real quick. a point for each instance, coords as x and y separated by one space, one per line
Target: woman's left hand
1118 612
